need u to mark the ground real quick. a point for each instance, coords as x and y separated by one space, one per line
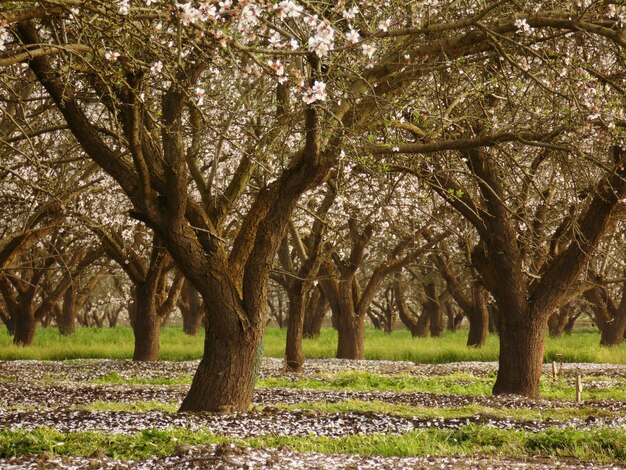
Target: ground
58 395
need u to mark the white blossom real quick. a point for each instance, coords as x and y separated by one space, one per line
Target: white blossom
353 36
351 13
368 50
123 7
316 93
323 40
383 25
288 9
157 67
522 26
4 37
111 56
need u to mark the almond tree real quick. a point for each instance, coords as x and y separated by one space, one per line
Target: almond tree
181 104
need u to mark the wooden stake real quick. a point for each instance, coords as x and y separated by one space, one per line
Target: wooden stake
555 371
579 388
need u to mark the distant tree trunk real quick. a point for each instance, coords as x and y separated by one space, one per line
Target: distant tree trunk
494 319
569 327
609 316
418 326
350 325
432 310
191 310
66 320
314 314
478 317
558 321
294 356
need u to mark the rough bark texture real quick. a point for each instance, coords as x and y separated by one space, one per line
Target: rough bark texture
146 325
226 375
351 340
521 356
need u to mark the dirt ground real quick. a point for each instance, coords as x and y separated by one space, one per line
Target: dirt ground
41 393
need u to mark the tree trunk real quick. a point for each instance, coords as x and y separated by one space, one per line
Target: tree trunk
236 355
494 319
66 321
147 325
25 325
478 327
192 310
418 326
314 314
351 342
558 321
613 332
521 355
478 317
294 356
433 311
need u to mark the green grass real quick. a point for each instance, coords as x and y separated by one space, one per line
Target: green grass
115 378
458 384
604 445
407 411
117 343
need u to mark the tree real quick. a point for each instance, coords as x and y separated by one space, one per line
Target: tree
214 126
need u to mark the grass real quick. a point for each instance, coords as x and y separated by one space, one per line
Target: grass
117 343
458 384
604 445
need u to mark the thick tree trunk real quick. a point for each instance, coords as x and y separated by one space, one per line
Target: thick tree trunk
147 326
294 356
25 325
225 378
521 355
351 341
314 314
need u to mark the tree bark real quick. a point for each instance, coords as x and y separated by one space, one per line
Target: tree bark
147 325
478 317
351 341
191 310
25 324
418 326
433 311
66 321
521 355
314 314
294 356
236 355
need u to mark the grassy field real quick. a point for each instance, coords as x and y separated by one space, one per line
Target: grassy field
117 343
